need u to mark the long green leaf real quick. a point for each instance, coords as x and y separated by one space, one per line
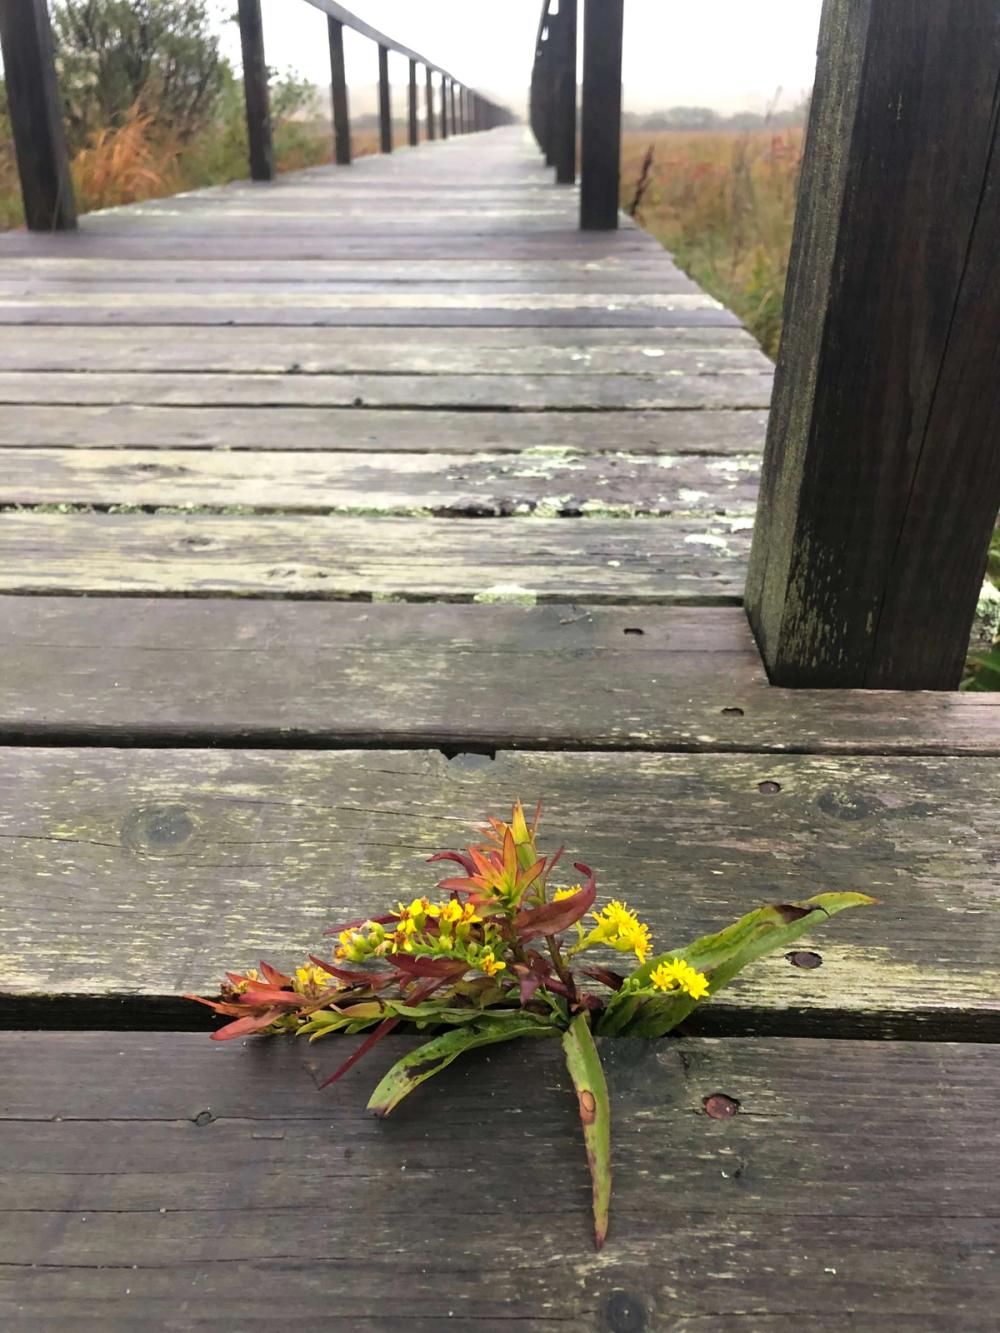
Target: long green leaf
587 1073
720 956
435 1055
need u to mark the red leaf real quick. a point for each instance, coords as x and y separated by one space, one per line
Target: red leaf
219 1006
278 999
275 977
551 918
244 1027
613 980
465 861
383 1030
373 980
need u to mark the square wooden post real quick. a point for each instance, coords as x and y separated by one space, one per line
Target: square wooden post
384 101
881 478
601 114
338 94
255 91
413 125
444 106
429 89
36 115
564 100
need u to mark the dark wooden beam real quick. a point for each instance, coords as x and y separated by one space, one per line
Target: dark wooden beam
444 106
255 91
455 128
36 115
601 114
564 95
429 89
384 101
413 126
338 93
882 471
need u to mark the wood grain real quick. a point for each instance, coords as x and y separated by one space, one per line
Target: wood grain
142 873
699 560
480 484
392 431
457 392
196 671
183 1220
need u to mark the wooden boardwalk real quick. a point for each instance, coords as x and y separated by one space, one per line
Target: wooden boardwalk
338 511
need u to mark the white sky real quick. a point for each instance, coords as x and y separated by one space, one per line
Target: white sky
730 54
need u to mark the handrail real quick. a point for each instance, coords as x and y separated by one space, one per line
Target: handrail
36 111
554 96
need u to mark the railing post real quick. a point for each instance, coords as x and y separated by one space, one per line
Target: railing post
546 78
601 116
564 95
36 115
338 94
384 101
414 127
444 106
881 478
255 91
454 118
429 90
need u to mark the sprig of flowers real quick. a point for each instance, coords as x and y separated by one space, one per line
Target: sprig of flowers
500 958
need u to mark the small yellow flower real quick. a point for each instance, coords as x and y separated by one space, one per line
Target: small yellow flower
451 912
250 975
676 974
312 978
560 894
489 964
618 926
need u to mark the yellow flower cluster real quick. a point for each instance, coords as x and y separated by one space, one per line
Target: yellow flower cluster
250 975
424 928
618 926
676 974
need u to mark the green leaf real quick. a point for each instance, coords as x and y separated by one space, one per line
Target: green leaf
587 1073
435 1055
720 956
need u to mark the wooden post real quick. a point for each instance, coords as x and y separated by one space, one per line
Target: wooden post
384 101
564 95
36 116
429 89
547 98
255 91
338 94
444 106
462 127
414 136
881 478
454 117
601 116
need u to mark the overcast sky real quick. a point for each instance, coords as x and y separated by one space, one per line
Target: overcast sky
729 54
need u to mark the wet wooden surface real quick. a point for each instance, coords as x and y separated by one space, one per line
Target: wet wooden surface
333 513
233 1186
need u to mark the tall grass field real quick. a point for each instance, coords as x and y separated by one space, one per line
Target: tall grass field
723 202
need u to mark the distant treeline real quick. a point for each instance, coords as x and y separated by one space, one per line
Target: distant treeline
704 118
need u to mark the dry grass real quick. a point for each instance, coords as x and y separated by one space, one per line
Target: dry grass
136 161
723 202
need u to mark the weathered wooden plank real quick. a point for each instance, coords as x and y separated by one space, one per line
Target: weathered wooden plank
699 560
305 428
176 671
746 389
796 1210
882 478
338 350
431 485
269 297
142 872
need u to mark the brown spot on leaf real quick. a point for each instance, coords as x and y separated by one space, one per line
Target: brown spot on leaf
720 1107
789 912
588 1107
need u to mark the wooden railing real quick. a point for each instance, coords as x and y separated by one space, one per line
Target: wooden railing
553 102
40 140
